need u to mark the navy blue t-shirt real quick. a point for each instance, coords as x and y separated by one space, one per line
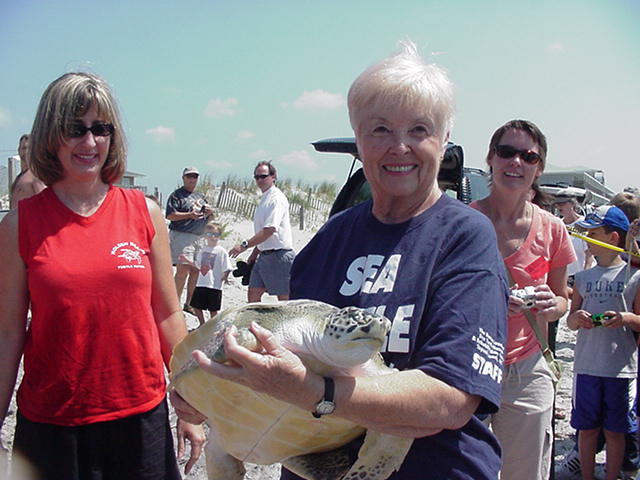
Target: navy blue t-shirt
440 278
182 200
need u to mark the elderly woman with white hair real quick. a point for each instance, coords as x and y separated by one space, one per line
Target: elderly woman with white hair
427 262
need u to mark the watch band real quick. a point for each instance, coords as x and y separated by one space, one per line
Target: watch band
326 405
329 389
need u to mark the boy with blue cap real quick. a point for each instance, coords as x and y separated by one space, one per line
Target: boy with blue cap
604 310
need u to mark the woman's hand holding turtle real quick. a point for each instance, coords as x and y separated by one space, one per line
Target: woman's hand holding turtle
275 370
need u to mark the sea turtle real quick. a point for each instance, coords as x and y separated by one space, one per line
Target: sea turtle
248 426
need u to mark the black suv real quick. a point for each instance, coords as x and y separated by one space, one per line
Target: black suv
464 183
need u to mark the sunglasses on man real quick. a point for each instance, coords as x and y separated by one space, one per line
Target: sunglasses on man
527 156
261 177
79 130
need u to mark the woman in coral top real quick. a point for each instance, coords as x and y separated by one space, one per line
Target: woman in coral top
536 249
93 261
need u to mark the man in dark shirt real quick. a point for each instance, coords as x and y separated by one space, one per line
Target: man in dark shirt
188 212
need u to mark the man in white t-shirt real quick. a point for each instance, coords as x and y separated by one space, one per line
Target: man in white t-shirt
273 254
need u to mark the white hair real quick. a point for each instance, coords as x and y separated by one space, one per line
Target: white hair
405 79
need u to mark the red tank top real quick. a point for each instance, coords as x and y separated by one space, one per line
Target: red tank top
92 351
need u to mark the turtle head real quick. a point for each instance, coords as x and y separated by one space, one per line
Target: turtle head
352 335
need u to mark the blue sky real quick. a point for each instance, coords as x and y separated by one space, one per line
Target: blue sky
223 84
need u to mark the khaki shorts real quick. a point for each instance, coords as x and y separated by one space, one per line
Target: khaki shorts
182 243
523 423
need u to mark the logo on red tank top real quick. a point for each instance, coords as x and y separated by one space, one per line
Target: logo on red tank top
130 253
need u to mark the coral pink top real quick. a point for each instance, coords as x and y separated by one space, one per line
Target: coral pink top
92 351
546 247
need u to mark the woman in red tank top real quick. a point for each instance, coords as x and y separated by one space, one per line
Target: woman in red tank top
93 263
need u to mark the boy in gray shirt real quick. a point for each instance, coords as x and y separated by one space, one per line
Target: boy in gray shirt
605 365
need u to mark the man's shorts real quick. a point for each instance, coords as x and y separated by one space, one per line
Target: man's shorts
182 243
205 298
600 402
272 271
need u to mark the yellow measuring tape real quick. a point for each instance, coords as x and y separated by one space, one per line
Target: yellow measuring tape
601 244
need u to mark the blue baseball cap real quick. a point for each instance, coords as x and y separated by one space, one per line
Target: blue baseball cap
605 215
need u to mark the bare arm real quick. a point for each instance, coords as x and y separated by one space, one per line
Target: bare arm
577 317
14 303
258 238
164 300
553 300
177 216
170 321
407 403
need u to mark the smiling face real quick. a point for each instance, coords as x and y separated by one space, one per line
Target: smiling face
401 154
82 158
514 173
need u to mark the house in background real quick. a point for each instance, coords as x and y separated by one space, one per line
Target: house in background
130 179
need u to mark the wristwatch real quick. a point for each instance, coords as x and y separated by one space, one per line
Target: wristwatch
244 244
326 406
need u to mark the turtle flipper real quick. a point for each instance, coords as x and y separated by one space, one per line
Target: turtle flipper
331 465
221 465
379 456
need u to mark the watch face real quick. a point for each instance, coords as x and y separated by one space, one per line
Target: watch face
325 407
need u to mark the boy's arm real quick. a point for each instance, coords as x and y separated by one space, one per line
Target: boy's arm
630 319
578 318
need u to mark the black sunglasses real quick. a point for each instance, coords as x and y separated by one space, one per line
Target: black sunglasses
261 177
507 151
79 130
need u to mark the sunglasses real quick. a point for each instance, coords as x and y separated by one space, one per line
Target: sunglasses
261 177
191 175
79 130
528 156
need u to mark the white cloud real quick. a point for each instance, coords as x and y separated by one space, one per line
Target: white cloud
300 159
259 155
244 135
219 164
162 134
5 117
554 48
318 100
217 108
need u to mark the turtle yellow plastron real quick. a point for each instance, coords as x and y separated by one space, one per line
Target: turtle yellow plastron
248 426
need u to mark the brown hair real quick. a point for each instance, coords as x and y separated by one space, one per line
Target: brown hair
65 99
628 203
527 127
272 169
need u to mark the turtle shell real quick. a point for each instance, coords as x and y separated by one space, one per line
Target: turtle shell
252 426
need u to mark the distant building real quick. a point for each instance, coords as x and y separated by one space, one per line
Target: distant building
591 180
128 180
